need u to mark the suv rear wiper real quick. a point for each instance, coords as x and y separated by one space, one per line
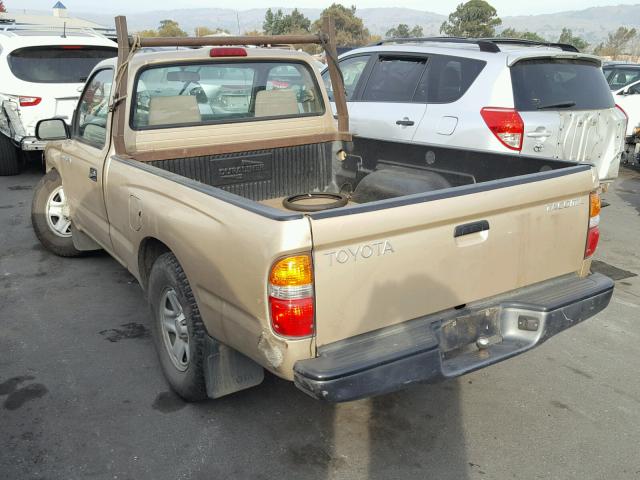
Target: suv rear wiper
557 105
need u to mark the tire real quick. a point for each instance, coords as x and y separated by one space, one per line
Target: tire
9 160
176 318
48 199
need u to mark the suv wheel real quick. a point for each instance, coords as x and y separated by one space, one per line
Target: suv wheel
9 160
178 331
50 216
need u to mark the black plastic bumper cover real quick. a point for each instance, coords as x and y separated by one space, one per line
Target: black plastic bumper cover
421 350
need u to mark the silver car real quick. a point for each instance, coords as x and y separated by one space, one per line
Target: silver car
542 100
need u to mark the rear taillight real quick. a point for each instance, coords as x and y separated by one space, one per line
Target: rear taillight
626 117
506 124
291 296
29 101
593 234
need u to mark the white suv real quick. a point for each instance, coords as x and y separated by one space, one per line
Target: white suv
42 73
497 95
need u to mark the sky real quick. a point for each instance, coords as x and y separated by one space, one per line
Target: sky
504 7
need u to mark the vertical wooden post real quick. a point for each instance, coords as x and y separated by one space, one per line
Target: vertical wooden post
119 114
339 94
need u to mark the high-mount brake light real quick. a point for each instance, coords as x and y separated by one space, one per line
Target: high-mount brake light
506 124
72 47
227 52
593 234
291 299
29 101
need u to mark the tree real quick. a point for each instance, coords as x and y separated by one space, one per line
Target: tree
170 28
204 31
148 33
526 35
403 31
567 37
2 7
280 24
476 18
350 29
616 42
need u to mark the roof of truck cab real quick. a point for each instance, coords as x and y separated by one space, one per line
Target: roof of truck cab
509 54
203 53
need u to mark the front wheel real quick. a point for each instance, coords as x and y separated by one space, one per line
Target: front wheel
178 331
50 216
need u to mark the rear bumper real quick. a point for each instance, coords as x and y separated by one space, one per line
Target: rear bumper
445 345
31 144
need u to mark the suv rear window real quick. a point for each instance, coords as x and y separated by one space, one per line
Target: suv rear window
198 94
57 64
559 84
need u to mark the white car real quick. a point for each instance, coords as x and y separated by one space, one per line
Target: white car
504 96
42 72
628 98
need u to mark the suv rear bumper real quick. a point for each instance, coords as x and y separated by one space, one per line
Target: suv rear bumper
444 345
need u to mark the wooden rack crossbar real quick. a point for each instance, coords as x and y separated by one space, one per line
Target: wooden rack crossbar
220 41
326 38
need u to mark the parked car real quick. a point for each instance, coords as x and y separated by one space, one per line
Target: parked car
620 74
502 96
265 239
628 98
42 72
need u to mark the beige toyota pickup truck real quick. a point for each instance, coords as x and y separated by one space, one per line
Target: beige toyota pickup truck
266 237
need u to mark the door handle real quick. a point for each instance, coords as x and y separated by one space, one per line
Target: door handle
469 228
405 122
93 174
539 134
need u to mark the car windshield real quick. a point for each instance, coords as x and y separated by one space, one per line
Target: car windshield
559 84
177 95
57 64
619 77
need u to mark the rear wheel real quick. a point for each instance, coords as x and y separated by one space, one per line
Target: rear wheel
178 331
9 160
50 216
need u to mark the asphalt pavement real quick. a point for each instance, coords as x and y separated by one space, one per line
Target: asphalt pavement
82 395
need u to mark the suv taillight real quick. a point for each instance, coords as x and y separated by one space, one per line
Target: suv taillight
593 234
506 124
291 296
29 101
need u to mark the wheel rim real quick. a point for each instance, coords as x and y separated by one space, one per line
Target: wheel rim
175 333
58 213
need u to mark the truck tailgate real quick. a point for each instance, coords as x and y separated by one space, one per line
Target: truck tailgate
389 263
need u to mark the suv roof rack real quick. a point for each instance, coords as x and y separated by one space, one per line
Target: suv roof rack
485 44
521 41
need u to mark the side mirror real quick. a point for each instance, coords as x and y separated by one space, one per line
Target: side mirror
52 129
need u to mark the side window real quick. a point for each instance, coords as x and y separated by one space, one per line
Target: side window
93 109
351 69
394 79
447 79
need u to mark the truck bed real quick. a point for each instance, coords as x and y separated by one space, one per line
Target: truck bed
373 170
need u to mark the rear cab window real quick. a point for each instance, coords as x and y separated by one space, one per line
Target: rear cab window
559 84
199 94
57 64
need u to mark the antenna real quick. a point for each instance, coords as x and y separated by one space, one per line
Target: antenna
64 30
